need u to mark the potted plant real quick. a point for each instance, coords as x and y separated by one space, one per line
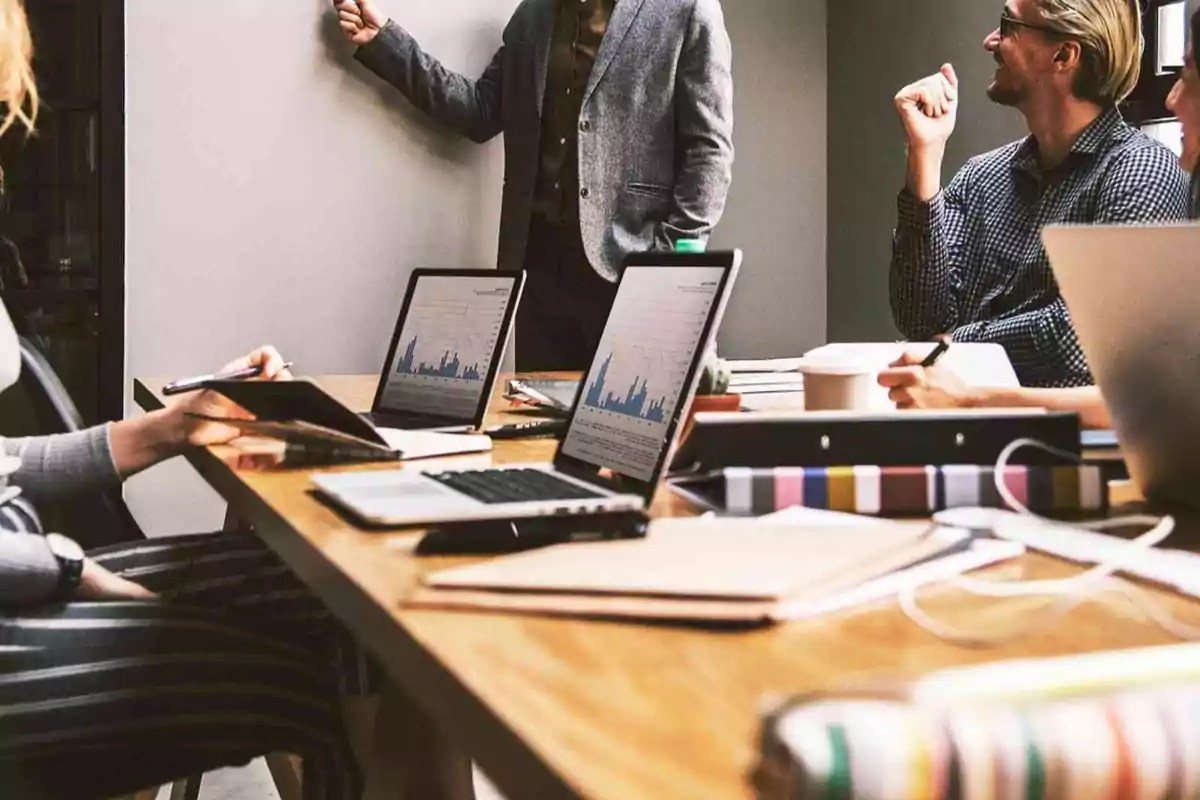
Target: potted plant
712 393
714 379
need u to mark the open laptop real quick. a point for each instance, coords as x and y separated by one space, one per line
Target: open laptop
622 430
447 349
1133 293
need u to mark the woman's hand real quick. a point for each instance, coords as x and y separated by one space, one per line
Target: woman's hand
145 441
200 433
97 583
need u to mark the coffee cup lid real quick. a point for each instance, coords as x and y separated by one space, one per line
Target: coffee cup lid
845 368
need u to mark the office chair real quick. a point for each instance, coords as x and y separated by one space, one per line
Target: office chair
42 405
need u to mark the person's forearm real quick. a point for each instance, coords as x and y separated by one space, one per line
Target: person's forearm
924 174
138 444
1083 400
470 107
59 467
922 285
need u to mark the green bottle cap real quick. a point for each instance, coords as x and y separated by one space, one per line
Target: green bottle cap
690 246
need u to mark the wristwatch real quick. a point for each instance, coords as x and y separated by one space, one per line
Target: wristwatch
70 563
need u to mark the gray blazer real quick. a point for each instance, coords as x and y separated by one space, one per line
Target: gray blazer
655 132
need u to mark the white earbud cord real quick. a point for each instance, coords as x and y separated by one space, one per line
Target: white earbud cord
1064 594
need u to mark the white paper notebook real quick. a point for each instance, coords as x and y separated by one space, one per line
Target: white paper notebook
979 364
427 444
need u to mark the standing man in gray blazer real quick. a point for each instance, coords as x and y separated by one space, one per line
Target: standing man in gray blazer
618 122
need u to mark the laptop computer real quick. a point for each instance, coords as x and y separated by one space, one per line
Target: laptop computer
623 428
446 351
1134 297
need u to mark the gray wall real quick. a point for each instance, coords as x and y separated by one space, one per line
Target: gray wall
277 195
776 208
880 46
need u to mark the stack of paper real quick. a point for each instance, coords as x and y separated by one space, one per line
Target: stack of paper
764 365
552 395
765 382
765 376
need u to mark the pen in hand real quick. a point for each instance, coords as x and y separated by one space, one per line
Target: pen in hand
942 346
193 384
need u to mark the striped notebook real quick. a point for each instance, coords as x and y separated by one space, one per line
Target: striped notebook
899 491
1139 743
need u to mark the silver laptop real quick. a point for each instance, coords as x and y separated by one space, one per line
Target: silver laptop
624 425
447 349
1134 297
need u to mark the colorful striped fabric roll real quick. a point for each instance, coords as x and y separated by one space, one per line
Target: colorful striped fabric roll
1142 743
899 491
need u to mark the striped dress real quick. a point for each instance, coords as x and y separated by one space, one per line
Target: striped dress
233 659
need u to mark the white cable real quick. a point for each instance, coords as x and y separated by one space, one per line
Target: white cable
1073 591
1006 494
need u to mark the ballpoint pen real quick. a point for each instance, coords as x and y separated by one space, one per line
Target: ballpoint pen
942 346
192 384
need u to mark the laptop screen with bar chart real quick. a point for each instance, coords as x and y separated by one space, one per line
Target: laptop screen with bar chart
448 344
640 381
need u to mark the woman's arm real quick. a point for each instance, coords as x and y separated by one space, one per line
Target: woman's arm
937 387
138 444
64 465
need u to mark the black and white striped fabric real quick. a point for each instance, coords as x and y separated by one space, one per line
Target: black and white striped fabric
18 515
235 659
971 262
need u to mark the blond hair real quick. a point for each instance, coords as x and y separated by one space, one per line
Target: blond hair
1110 35
18 91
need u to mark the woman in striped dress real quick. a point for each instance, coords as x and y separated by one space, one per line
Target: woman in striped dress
134 665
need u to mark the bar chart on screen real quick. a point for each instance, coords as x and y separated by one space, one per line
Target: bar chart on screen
634 402
445 348
637 379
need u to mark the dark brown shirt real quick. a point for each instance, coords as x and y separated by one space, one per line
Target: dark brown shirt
579 29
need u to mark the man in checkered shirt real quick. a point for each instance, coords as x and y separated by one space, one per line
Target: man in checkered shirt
968 260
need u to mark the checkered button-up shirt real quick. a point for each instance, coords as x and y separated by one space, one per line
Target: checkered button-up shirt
971 263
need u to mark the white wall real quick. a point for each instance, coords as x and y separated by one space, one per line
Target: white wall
278 194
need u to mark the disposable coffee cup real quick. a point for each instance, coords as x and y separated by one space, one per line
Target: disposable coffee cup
837 386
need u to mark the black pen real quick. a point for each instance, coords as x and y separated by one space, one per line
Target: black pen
192 384
942 346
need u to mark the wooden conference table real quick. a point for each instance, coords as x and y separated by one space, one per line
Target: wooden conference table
556 708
